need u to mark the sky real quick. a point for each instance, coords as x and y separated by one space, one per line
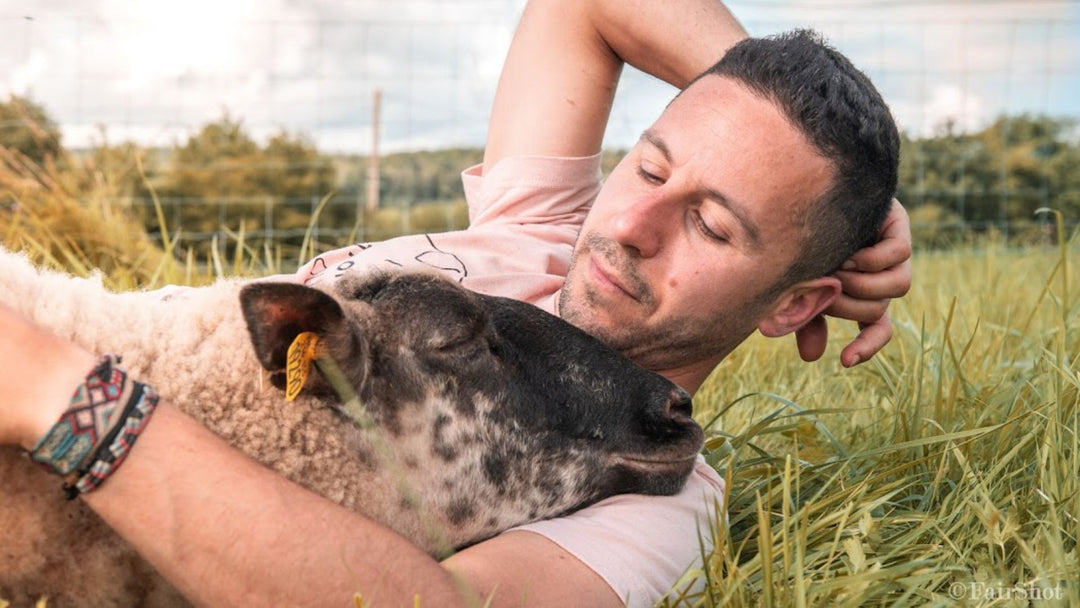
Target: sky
154 71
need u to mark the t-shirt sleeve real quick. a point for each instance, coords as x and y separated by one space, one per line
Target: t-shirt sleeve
642 545
532 190
525 214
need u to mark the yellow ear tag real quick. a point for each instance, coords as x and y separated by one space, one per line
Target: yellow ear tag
302 352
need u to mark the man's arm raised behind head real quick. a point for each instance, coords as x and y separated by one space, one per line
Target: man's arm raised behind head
558 82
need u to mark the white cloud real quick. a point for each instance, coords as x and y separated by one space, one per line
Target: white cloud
148 68
159 70
22 78
163 40
952 104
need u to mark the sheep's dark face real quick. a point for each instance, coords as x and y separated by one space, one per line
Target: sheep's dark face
534 410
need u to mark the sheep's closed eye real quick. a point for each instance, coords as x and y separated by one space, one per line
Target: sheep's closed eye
457 343
471 341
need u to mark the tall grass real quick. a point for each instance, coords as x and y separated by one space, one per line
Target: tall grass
67 214
942 472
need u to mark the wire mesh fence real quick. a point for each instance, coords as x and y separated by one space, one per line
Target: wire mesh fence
157 74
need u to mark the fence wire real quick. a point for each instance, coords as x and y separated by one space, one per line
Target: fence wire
156 73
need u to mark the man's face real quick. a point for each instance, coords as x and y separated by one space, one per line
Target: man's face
693 228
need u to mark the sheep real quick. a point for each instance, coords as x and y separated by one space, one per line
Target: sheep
480 413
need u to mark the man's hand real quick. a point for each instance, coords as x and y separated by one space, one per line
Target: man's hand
41 372
871 278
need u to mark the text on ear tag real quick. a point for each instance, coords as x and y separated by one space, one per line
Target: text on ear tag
302 352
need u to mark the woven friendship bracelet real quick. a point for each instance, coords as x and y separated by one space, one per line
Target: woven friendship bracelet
99 428
114 451
89 418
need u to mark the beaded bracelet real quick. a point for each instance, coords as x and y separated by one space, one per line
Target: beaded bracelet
99 428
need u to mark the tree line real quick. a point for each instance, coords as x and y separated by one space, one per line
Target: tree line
991 178
222 178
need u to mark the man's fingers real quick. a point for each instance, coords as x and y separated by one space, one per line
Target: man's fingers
879 256
870 279
812 338
857 309
893 246
871 339
886 284
873 336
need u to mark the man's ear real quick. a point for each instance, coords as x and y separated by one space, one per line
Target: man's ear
798 305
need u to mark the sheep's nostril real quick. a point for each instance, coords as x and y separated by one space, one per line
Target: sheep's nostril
680 405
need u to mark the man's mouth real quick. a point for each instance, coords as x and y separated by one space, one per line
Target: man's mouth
608 281
609 272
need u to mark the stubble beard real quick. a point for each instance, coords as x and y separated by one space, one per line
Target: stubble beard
674 342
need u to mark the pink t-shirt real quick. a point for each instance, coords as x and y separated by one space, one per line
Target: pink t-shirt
524 217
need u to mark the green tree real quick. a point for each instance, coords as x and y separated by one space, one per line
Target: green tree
293 168
1004 172
222 178
28 129
220 161
116 169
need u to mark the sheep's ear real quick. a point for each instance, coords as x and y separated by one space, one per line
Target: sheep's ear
277 312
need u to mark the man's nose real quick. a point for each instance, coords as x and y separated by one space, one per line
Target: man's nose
642 224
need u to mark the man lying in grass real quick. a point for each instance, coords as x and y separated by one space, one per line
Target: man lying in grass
733 212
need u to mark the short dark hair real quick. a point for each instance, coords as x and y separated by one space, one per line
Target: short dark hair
841 113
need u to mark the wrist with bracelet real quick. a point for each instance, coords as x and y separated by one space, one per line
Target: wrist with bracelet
95 434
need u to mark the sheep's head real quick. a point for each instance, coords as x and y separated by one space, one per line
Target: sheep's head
494 377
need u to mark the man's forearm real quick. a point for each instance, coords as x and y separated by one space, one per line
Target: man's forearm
558 82
674 40
220 527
